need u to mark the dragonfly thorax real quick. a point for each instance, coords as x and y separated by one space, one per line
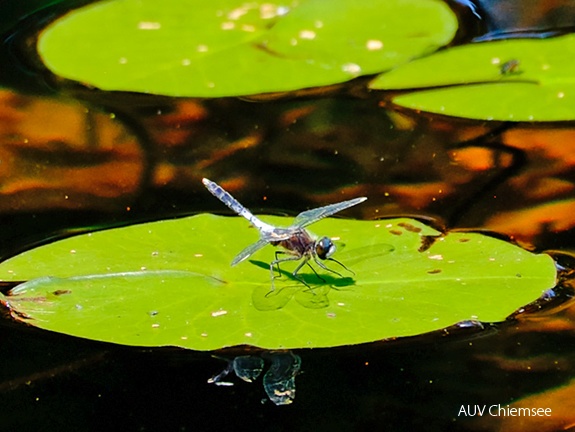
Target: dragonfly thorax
324 248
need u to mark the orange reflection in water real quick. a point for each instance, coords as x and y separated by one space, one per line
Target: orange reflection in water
60 154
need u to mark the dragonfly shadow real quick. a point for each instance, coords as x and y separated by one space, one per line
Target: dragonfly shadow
309 290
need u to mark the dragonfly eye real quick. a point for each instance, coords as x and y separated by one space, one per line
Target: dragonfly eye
324 248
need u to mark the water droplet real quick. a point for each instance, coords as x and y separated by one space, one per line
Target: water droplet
351 68
307 34
374 44
219 313
436 257
149 25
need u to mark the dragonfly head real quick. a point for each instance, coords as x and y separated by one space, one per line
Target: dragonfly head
324 248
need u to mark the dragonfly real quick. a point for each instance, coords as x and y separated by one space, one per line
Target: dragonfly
296 242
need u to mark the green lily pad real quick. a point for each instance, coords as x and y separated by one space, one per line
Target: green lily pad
171 283
516 80
231 48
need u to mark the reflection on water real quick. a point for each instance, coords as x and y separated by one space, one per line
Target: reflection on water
60 154
79 158
278 381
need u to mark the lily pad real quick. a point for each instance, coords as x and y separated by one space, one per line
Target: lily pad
231 48
512 80
170 283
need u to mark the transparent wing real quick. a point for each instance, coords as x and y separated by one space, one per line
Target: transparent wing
249 251
310 216
278 234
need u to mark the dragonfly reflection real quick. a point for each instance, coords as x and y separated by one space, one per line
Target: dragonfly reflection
296 242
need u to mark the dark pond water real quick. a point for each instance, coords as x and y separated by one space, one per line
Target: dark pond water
74 159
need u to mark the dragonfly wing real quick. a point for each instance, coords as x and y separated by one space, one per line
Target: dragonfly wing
277 234
310 216
249 251
233 204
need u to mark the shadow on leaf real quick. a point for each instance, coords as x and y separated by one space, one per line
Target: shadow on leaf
312 296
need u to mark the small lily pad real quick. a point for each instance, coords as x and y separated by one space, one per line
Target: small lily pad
511 80
232 48
171 283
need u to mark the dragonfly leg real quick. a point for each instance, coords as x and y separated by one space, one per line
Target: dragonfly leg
323 266
316 273
298 268
278 261
345 268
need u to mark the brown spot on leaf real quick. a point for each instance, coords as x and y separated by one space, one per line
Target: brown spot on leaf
61 292
396 232
434 271
409 227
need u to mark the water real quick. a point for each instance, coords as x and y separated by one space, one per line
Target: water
75 159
